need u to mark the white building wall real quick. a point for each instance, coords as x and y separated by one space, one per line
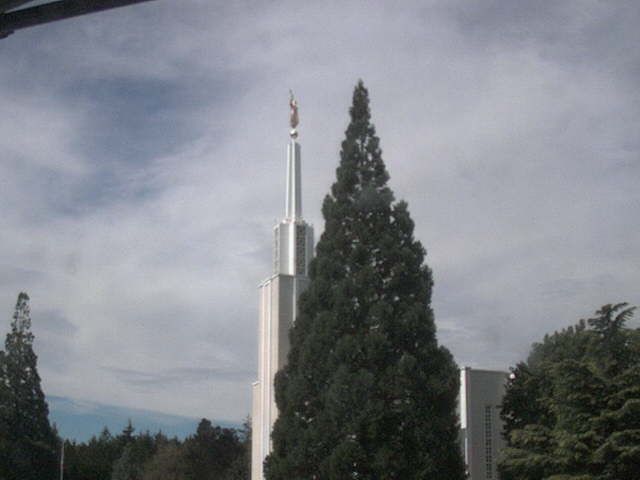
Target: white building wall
480 402
256 426
293 250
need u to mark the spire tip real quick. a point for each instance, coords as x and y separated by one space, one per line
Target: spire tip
294 119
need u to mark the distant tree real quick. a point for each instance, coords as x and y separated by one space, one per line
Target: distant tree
5 414
5 438
137 451
211 451
126 467
31 445
240 468
92 460
367 393
98 458
572 411
167 464
126 436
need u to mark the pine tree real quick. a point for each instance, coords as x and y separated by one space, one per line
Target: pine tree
211 451
126 467
126 437
136 452
5 439
240 468
32 450
367 392
167 464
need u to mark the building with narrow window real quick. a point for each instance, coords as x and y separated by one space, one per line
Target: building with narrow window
293 249
480 402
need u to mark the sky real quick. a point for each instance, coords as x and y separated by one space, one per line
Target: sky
143 167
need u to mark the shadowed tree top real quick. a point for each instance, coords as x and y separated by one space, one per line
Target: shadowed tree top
361 164
21 324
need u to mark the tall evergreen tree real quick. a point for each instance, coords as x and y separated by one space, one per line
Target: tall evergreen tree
5 440
367 392
31 453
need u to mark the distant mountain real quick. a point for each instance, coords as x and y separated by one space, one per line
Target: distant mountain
80 420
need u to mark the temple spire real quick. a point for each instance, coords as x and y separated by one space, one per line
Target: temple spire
294 191
292 252
294 119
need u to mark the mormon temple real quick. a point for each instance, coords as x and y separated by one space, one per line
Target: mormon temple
292 251
481 391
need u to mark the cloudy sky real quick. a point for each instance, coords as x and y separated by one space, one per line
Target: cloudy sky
143 166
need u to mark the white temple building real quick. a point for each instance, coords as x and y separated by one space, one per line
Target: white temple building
481 391
480 402
293 249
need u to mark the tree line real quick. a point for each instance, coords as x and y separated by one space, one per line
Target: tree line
212 453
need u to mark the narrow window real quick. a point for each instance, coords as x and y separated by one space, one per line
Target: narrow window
276 251
488 441
301 250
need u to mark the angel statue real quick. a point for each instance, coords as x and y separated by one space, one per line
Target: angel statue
293 117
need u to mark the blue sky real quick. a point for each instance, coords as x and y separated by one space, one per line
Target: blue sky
81 420
143 166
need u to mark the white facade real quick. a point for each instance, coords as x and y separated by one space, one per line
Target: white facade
480 402
293 249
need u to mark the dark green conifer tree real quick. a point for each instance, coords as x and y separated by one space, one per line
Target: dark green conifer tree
367 392
32 443
5 440
240 468
136 452
167 464
127 466
211 451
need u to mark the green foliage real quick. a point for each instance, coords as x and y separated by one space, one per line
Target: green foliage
367 392
126 467
211 453
240 468
29 444
5 438
167 464
572 411
92 460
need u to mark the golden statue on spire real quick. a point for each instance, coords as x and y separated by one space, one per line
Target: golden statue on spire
293 117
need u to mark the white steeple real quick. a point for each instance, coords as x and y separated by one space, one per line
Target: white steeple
293 250
294 194
294 198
